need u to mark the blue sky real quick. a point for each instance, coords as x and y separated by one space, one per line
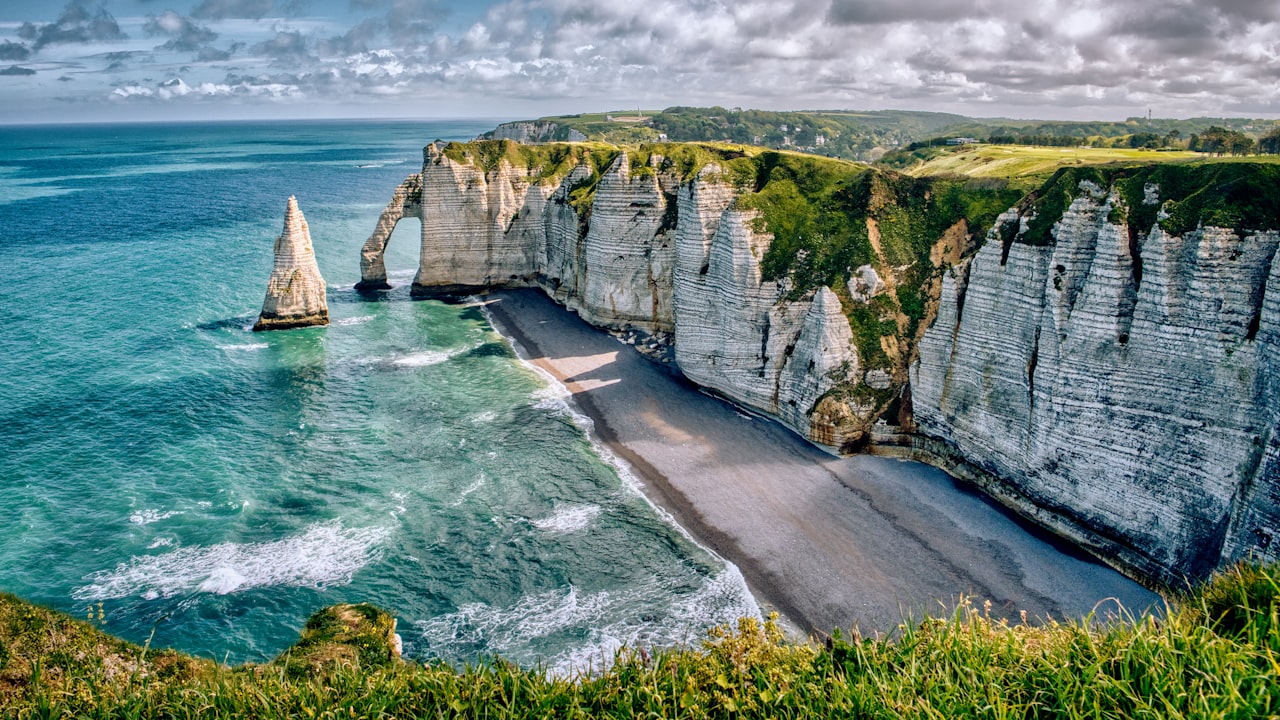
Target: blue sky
105 60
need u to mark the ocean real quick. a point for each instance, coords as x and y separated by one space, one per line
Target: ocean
173 477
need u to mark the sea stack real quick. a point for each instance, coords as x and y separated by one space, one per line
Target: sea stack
295 292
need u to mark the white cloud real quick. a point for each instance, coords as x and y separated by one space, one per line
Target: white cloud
1056 58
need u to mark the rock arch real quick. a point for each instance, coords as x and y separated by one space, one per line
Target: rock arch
406 202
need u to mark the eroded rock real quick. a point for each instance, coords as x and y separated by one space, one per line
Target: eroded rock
295 290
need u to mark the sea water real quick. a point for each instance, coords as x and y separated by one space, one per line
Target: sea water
173 476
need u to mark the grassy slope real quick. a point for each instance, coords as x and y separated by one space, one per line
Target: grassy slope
850 134
1215 655
1028 166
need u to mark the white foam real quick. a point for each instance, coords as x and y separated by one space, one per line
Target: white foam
479 483
641 615
159 543
355 320
484 417
568 519
427 358
222 581
325 554
146 517
423 359
242 346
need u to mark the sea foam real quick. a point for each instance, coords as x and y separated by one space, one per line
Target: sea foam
568 518
647 614
325 554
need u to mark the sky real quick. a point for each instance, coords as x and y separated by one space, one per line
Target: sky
142 60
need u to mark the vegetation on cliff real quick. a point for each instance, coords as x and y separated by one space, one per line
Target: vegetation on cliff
1213 655
866 135
1235 195
1027 167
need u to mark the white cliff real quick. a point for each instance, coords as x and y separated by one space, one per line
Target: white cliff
406 201
1121 393
649 253
1118 385
295 290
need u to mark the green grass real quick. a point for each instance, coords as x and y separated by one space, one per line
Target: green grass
1030 165
1234 194
1213 656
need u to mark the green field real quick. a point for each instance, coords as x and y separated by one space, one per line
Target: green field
1030 164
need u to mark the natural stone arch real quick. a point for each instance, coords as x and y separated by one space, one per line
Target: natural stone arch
406 202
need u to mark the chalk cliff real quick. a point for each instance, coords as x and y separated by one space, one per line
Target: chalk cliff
1116 384
295 290
635 246
1105 362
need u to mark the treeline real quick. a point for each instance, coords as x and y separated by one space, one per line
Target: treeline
1214 139
1221 141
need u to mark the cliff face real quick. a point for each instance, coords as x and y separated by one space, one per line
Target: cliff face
295 290
735 332
1105 363
1117 384
637 248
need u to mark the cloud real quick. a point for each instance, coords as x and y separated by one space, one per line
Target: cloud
78 23
287 47
17 70
981 57
223 9
876 12
356 40
184 34
10 50
212 54
176 89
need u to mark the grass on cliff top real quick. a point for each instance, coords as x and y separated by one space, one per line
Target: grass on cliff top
1215 655
1239 195
1027 166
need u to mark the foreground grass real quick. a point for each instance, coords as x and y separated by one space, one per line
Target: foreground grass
1214 656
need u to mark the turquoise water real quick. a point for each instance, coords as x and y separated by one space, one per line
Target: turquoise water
216 486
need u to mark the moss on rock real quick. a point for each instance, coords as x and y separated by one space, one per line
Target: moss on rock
343 635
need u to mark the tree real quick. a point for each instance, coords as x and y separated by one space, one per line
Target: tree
1270 143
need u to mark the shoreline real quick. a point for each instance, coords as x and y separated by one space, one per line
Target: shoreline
656 487
862 542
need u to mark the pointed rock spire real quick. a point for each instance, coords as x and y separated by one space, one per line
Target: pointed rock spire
295 292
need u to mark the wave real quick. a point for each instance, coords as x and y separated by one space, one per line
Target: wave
568 519
243 346
479 483
355 320
146 517
325 554
649 614
426 358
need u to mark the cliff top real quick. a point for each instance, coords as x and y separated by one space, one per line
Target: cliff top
1212 655
1028 166
850 134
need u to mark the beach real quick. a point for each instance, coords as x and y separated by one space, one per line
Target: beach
827 542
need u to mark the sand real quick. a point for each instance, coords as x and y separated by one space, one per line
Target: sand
827 542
